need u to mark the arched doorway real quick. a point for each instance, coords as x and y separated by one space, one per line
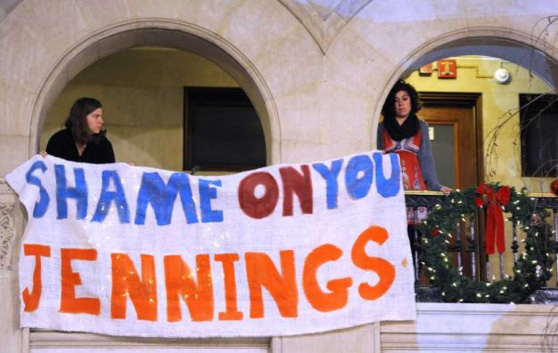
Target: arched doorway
166 34
172 35
154 117
492 109
481 53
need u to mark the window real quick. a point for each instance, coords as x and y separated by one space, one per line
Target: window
222 131
539 130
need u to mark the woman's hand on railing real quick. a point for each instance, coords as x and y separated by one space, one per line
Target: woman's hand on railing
446 190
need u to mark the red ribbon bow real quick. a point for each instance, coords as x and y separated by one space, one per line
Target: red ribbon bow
494 215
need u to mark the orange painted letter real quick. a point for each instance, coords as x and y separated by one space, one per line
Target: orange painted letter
32 300
180 283
384 269
232 312
68 301
320 300
126 282
262 272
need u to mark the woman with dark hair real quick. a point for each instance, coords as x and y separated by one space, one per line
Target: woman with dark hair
402 132
83 139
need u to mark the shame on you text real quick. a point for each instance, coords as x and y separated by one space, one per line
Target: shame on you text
360 174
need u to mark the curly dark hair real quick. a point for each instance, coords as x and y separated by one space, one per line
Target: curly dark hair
388 110
77 120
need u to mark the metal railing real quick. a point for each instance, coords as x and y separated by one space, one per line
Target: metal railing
467 245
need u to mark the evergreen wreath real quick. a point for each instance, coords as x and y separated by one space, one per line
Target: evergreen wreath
533 267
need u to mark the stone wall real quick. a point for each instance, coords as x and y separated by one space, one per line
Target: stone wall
316 74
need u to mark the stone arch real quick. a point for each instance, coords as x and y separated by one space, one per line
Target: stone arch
164 33
518 47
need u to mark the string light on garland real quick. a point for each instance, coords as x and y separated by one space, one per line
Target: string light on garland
532 270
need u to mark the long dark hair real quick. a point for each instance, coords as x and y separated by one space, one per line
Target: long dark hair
411 125
388 110
77 120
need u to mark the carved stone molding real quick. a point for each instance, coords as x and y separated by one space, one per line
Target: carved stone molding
5 189
324 20
61 340
7 234
450 327
8 224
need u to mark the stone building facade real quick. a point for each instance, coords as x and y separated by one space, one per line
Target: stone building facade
317 73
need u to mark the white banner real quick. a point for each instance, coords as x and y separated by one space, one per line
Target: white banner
282 250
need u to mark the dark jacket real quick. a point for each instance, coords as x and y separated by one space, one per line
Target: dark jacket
98 151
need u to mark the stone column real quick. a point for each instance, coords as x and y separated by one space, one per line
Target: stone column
11 225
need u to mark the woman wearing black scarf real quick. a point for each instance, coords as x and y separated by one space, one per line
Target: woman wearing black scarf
402 132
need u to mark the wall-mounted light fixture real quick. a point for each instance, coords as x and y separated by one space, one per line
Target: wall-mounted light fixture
502 76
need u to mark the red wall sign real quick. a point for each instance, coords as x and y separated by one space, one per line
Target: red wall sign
447 68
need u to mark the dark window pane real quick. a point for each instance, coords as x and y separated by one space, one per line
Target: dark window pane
223 130
539 130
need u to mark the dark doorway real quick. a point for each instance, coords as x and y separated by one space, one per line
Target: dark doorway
457 147
222 131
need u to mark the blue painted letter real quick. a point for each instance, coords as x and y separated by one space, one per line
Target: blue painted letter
387 187
63 193
207 193
357 185
161 196
41 205
107 197
330 177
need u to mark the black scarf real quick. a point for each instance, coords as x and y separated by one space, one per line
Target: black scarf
398 132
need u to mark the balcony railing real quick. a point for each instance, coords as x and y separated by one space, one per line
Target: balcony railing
468 250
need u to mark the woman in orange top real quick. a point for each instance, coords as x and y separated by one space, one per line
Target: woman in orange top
402 132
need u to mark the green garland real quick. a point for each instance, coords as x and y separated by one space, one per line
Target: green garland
534 265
